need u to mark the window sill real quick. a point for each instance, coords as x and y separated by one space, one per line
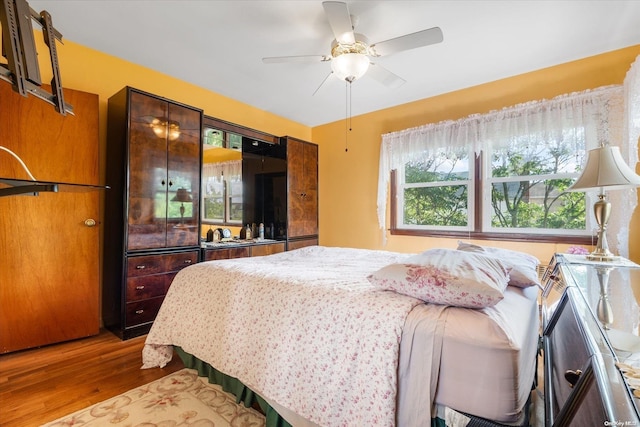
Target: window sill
511 237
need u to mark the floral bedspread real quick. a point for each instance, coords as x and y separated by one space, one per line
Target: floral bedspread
302 328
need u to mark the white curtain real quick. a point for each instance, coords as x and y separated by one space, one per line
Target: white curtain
214 174
600 112
627 200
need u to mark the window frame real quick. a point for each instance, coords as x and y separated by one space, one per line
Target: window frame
469 183
476 231
226 198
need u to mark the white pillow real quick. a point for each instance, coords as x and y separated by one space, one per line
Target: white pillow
523 268
446 276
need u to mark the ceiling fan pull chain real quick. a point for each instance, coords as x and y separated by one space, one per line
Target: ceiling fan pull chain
350 106
346 120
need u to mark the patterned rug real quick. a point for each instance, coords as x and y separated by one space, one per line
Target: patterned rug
181 398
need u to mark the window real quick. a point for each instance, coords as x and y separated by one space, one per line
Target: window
501 175
526 185
222 192
522 189
436 193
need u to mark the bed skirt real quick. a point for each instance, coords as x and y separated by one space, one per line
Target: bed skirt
234 386
250 399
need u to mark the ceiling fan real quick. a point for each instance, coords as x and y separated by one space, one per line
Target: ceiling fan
351 52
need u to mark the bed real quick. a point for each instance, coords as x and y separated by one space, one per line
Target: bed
319 336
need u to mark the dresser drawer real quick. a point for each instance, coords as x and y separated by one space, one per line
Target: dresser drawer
227 253
567 348
142 311
163 263
145 287
272 248
176 262
145 265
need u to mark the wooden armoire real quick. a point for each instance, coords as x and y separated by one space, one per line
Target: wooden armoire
49 243
152 215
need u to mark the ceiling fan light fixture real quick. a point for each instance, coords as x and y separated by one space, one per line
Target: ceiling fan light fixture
350 66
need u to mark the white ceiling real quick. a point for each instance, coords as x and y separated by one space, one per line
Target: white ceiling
219 45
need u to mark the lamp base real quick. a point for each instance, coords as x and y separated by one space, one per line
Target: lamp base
602 257
602 211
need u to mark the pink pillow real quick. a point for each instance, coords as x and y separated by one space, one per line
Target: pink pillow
446 276
523 268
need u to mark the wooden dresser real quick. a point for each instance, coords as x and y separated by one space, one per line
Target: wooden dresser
590 318
152 216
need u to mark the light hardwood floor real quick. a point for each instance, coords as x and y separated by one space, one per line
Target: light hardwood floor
41 385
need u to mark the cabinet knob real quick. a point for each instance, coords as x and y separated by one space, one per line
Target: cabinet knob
187 261
90 222
141 267
139 311
572 377
139 287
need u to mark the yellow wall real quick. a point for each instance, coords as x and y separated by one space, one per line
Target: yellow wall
88 70
348 180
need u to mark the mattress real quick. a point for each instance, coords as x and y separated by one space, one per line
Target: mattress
488 358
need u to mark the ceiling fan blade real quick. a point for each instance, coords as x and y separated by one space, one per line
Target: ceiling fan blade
340 21
323 82
409 41
385 76
301 58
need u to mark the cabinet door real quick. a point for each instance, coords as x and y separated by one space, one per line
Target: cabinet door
302 173
311 189
566 350
49 274
147 189
164 174
183 176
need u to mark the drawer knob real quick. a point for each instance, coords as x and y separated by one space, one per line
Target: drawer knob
187 261
139 311
141 267
572 377
140 287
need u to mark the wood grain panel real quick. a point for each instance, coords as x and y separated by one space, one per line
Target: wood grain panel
272 248
49 280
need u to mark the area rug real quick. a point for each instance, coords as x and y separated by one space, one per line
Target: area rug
181 398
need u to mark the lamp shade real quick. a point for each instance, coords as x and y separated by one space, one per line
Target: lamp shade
350 66
182 195
606 168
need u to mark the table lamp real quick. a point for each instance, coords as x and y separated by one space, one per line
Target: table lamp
606 170
182 196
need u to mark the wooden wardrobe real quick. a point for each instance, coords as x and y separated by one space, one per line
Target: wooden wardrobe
49 244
